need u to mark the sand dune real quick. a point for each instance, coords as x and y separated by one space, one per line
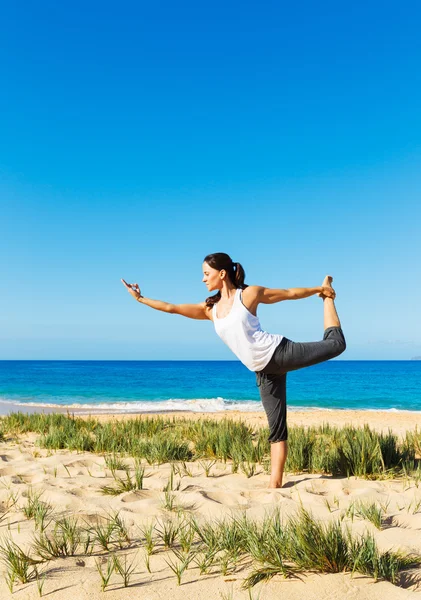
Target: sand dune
72 483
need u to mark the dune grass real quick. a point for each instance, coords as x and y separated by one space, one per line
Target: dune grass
323 449
63 540
128 483
270 547
20 566
367 510
262 549
302 543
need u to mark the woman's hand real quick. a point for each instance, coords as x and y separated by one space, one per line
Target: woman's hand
133 289
327 292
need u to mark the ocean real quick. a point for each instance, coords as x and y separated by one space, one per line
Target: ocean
203 386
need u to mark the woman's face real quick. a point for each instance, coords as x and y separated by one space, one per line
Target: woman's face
211 277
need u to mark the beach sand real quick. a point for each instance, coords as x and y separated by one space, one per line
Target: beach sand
71 482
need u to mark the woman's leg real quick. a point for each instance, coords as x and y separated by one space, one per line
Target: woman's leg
331 318
296 355
273 396
272 380
278 457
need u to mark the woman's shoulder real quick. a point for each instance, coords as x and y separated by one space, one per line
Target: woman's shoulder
252 292
251 297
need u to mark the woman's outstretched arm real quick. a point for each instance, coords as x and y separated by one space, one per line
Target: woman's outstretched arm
192 311
270 296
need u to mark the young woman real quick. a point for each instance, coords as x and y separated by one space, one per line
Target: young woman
233 312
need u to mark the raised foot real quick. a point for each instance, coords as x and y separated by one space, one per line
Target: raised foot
327 282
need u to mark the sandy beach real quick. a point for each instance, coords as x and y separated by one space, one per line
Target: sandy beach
71 482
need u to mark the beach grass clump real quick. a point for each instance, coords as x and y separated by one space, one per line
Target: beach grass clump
20 566
367 453
412 470
167 531
413 442
270 564
208 535
42 515
232 538
114 463
361 452
366 510
248 468
325 456
303 543
169 502
300 446
262 445
18 422
207 466
35 508
124 568
129 436
170 486
315 545
217 439
68 437
179 566
204 561
366 558
227 535
228 562
182 469
161 448
63 540
149 538
105 572
109 533
186 534
38 510
126 484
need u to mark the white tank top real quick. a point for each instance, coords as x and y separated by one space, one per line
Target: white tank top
242 333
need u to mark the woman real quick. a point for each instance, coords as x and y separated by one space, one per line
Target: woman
233 312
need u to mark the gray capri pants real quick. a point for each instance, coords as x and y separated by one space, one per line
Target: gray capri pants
290 356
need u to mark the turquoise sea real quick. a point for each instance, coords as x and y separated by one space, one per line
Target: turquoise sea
156 386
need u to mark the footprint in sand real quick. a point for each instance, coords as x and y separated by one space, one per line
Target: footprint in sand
83 463
7 471
139 495
225 498
268 496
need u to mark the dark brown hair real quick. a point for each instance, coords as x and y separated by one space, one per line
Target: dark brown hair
235 272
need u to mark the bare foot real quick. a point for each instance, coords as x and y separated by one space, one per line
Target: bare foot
276 485
327 282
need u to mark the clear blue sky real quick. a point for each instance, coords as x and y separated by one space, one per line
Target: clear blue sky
138 137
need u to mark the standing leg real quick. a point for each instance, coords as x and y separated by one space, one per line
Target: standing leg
273 396
272 380
278 457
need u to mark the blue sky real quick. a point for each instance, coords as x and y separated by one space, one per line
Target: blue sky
137 138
